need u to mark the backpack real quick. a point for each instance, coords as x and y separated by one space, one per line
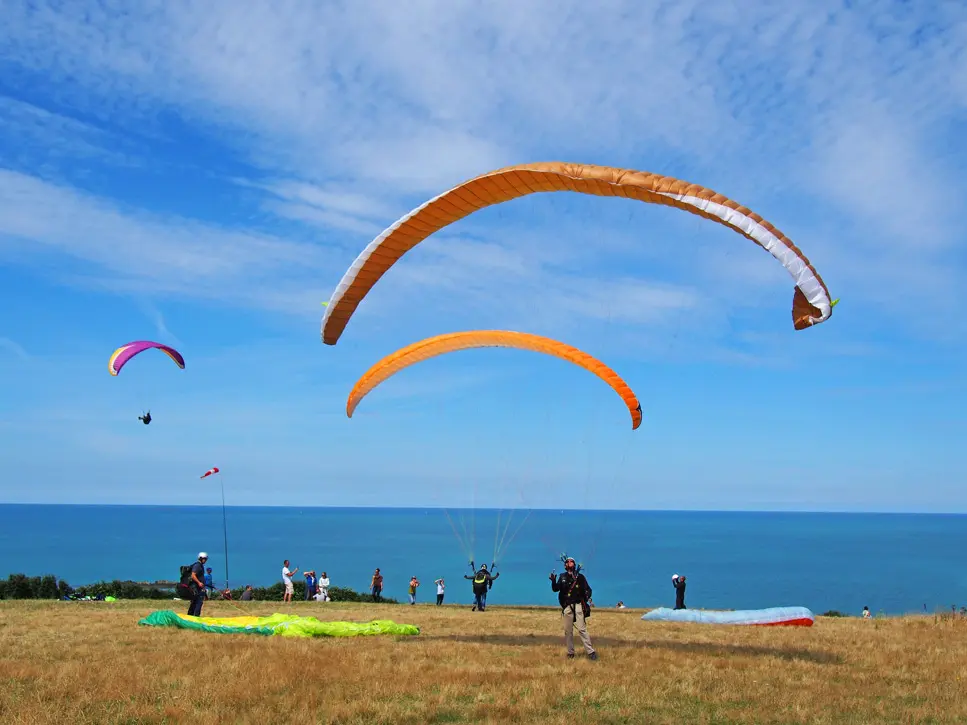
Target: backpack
186 587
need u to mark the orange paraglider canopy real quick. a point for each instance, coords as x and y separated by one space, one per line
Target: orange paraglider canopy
451 342
811 300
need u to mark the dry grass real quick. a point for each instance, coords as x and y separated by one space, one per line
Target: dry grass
76 662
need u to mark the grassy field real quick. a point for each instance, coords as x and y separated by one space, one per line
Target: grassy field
89 662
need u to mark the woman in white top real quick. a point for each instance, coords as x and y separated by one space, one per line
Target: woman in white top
439 590
324 587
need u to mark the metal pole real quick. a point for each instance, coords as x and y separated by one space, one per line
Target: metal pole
224 529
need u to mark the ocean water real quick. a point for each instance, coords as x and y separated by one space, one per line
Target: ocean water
893 563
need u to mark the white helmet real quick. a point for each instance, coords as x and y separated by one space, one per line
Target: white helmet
202 555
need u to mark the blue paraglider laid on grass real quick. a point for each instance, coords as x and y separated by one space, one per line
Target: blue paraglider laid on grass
790 616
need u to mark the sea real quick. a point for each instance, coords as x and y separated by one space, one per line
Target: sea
892 563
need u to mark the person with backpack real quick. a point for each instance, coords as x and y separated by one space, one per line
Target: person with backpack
482 582
193 584
573 594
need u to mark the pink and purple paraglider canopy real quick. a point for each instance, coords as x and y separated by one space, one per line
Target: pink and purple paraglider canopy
126 352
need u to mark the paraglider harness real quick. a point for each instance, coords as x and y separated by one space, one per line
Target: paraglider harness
585 607
186 588
482 579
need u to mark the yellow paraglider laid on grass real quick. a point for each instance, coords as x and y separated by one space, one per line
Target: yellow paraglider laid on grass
284 625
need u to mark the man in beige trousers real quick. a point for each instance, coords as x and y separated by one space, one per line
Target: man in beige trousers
573 593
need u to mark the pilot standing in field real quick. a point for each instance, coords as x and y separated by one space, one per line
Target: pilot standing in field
573 594
197 585
679 583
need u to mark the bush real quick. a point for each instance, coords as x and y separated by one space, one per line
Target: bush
20 586
336 594
122 590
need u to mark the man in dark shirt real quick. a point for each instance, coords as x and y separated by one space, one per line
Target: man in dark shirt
679 583
197 585
483 581
573 593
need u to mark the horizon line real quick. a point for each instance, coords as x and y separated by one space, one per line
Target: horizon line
354 507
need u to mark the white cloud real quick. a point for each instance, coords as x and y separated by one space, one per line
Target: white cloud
330 207
150 257
321 217
10 346
425 160
872 169
333 198
157 319
351 103
133 251
44 137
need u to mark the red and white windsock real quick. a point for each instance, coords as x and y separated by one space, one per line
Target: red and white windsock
209 472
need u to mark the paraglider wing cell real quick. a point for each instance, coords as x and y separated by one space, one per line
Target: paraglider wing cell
442 344
123 354
811 301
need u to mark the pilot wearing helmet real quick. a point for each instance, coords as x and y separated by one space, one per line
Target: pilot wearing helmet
574 594
198 584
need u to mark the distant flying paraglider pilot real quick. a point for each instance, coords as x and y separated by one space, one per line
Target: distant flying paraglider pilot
679 583
124 354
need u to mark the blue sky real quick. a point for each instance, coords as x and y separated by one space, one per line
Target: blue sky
204 175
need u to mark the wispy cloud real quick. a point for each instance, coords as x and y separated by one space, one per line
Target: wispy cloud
427 391
10 346
872 168
136 252
46 138
834 118
150 256
158 320
423 94
330 207
893 389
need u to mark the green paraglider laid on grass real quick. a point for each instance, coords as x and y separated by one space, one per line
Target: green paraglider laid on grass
285 625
